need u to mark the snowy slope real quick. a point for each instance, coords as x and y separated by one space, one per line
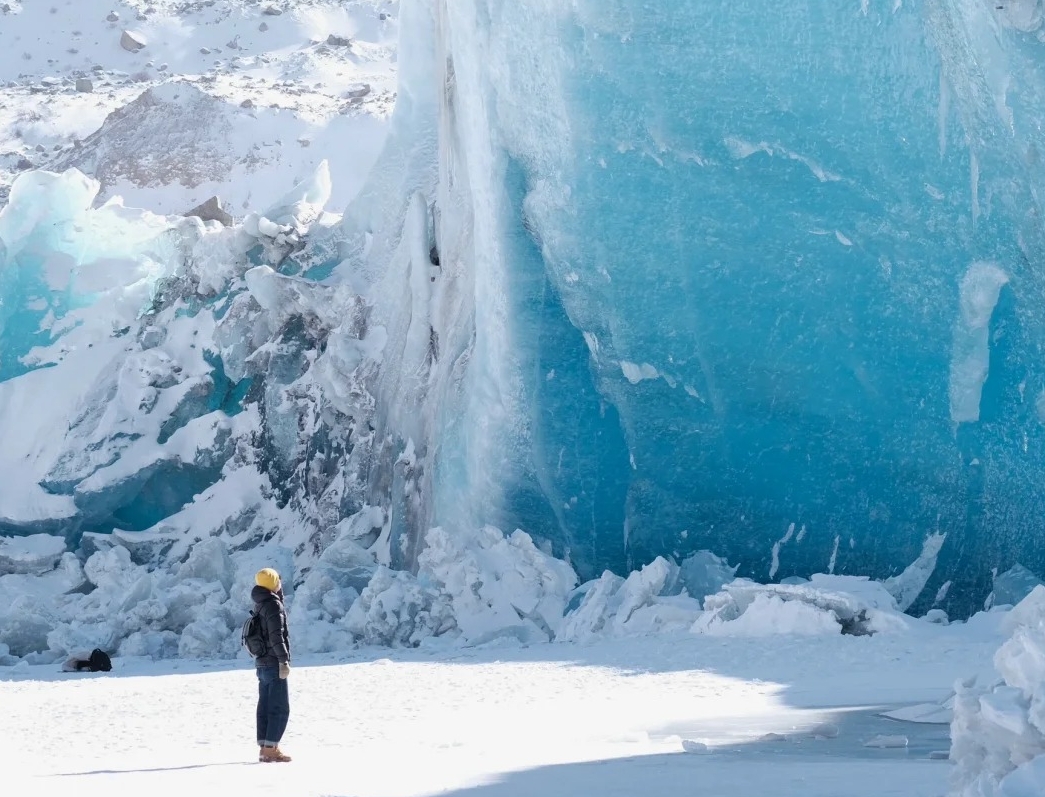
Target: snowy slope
223 98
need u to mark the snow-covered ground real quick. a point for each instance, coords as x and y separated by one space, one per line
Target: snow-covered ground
623 717
235 98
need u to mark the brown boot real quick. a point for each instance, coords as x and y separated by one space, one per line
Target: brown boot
272 755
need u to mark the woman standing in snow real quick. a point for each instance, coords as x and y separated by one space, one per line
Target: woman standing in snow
273 666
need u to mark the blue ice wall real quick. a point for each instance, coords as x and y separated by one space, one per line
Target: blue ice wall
798 280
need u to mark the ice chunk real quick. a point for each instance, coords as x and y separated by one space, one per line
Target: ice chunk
282 227
999 728
153 644
702 574
937 616
637 605
205 638
1027 780
209 561
695 747
32 555
825 730
597 608
768 615
907 586
26 626
1013 586
498 585
331 588
827 604
396 610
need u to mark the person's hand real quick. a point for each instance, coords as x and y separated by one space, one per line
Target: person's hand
284 669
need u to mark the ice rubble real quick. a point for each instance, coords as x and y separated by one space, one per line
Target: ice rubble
998 730
470 589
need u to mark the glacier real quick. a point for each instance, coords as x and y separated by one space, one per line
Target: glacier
642 284
707 281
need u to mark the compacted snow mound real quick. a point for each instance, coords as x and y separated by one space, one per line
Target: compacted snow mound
998 731
825 605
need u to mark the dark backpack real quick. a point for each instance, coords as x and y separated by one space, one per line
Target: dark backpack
99 661
254 636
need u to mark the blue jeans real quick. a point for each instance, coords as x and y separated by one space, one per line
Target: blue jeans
273 706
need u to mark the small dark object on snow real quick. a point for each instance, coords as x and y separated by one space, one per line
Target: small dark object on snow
96 661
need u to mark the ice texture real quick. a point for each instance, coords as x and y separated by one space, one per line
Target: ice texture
702 574
826 605
998 730
34 555
703 277
643 603
1013 586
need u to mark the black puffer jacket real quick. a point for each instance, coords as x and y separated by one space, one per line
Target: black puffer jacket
269 606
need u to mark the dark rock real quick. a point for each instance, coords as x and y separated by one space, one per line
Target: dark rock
132 42
358 92
211 210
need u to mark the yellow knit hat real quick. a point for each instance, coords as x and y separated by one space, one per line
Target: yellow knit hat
267 578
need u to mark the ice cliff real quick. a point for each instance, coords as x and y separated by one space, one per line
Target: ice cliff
764 283
639 282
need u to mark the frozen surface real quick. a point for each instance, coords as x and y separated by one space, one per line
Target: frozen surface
610 718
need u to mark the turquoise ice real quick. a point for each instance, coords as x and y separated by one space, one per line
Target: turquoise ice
772 276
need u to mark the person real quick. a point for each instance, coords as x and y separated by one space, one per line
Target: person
273 667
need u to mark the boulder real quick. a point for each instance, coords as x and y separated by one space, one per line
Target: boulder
132 42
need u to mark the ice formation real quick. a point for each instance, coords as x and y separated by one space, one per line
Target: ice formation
998 731
687 291
825 605
628 287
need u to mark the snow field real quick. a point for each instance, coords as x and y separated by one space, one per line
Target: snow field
607 718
